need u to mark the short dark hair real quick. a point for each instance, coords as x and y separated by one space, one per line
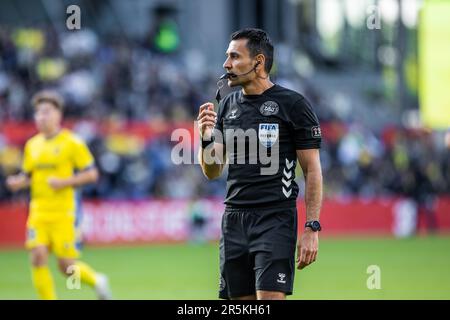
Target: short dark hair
50 96
258 42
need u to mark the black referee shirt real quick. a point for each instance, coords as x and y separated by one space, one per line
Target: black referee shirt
282 121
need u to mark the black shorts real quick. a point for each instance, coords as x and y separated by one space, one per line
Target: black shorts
257 251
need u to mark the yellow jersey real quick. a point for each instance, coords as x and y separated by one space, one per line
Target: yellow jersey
56 157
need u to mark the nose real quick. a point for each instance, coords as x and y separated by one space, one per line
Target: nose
227 64
39 117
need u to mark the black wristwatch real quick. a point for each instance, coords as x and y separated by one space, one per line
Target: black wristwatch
314 225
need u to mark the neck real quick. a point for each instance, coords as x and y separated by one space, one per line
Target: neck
257 86
51 133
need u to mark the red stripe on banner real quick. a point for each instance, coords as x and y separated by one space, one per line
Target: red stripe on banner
149 221
353 216
13 217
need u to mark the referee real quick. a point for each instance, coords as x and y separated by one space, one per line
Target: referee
259 225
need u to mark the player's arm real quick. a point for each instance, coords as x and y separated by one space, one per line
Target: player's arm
18 182
212 157
22 180
308 245
86 176
309 160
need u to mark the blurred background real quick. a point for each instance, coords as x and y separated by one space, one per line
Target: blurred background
375 71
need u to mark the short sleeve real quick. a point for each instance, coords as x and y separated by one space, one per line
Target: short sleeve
83 158
306 127
27 163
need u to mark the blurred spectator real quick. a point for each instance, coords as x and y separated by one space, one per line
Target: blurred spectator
108 82
198 217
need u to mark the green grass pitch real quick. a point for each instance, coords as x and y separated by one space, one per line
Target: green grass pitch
414 268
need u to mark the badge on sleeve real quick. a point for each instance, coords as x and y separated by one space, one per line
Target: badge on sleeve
315 131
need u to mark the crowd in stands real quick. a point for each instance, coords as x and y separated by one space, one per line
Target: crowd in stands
116 81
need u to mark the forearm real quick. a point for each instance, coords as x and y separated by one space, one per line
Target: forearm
82 178
313 194
212 166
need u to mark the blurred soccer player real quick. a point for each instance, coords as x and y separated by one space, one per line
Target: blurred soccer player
50 160
259 226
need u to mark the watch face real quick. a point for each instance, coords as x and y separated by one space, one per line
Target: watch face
316 225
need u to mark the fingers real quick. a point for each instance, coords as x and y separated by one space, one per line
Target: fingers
54 183
206 113
56 186
51 183
10 184
306 256
13 183
300 257
9 181
208 118
314 257
207 105
206 109
208 121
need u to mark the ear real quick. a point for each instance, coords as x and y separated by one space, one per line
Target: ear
260 60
